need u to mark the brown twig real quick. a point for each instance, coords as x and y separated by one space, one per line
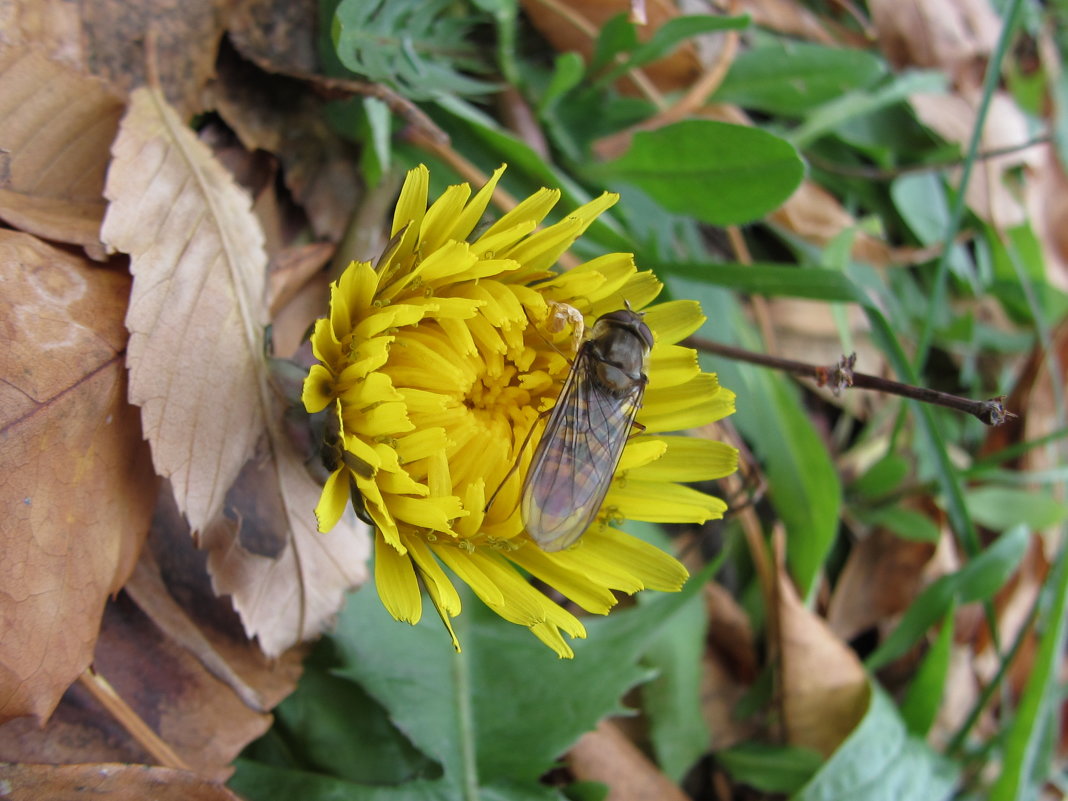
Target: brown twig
105 694
991 412
890 173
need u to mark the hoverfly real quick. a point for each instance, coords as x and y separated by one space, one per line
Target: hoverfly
583 440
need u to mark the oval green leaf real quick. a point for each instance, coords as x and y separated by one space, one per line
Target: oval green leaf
720 173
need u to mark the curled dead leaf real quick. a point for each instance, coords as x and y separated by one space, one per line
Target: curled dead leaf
56 128
824 687
606 755
76 486
881 577
948 34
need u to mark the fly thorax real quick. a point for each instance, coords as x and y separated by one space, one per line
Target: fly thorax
619 359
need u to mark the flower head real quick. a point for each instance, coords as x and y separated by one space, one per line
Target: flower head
438 361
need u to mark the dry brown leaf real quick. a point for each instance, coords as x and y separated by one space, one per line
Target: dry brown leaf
1046 198
816 216
280 115
292 269
114 782
166 685
287 580
730 633
574 26
989 193
960 692
795 19
197 310
117 41
56 128
77 487
939 34
280 32
881 577
824 687
606 755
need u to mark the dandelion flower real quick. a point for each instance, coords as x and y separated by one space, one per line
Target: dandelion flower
441 357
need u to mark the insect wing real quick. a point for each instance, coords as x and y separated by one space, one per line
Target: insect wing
577 456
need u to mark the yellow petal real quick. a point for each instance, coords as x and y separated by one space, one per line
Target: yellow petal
671 365
382 420
450 260
411 205
530 209
358 284
655 569
318 391
390 317
375 388
603 567
324 344
550 635
553 569
396 583
640 451
437 583
333 500
431 512
658 502
400 483
687 459
441 217
420 444
542 250
674 320
640 290
472 213
470 573
502 240
672 418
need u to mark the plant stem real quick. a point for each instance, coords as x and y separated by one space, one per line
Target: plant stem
840 376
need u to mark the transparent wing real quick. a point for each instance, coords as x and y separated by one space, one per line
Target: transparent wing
577 456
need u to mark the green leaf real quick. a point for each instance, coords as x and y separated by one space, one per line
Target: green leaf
879 761
319 715
568 70
1000 508
882 478
925 693
495 717
770 768
792 78
1025 761
720 173
905 523
672 700
616 36
859 103
670 35
419 49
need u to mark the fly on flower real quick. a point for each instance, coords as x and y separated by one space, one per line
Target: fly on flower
576 458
